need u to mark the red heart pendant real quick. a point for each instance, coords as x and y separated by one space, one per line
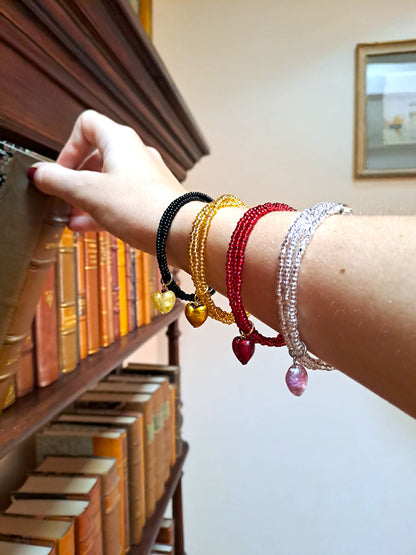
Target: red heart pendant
243 348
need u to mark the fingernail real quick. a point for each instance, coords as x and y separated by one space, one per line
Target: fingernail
31 173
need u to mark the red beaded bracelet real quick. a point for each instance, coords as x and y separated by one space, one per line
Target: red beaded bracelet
244 344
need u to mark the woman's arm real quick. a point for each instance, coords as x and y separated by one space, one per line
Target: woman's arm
356 293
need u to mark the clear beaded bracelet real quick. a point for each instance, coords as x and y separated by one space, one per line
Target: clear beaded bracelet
293 248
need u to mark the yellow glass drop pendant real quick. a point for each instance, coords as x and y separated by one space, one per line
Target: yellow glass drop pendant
163 300
196 314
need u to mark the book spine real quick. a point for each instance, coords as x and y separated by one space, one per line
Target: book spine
115 287
81 298
104 447
134 286
19 327
147 304
46 333
103 285
123 287
111 512
110 289
91 287
66 304
129 288
67 543
139 288
25 375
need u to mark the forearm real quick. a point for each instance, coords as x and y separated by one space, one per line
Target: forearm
355 293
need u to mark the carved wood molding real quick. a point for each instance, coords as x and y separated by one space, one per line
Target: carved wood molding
59 58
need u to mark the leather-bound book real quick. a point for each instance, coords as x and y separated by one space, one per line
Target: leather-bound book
128 403
26 547
33 224
129 288
46 333
163 382
171 371
61 534
122 282
77 440
135 458
67 510
155 391
81 298
66 302
104 285
147 288
25 372
134 286
115 287
92 293
139 288
105 469
38 486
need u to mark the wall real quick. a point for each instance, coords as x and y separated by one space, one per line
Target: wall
271 85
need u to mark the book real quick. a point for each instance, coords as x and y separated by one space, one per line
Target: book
115 287
66 302
134 286
91 290
66 510
46 333
155 391
171 371
139 287
60 533
17 547
104 286
131 321
76 440
135 460
81 297
104 469
166 532
130 403
122 283
167 409
38 486
25 371
147 288
28 245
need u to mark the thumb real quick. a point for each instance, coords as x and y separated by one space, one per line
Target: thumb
76 187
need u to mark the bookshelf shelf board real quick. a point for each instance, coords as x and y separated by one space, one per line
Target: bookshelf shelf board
28 414
152 525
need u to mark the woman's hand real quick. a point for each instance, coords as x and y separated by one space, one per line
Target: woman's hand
111 179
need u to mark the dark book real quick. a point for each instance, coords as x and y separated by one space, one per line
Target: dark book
32 227
25 372
92 293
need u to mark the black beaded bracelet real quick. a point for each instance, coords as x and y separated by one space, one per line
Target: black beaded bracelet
162 233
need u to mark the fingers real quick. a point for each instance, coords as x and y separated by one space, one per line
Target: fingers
93 131
82 222
78 188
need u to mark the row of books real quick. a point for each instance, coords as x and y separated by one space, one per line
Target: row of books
97 291
101 467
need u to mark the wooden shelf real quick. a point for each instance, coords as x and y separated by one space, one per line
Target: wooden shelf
153 523
30 413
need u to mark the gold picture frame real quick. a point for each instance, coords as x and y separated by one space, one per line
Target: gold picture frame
385 109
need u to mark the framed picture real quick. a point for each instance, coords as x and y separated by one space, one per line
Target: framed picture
385 109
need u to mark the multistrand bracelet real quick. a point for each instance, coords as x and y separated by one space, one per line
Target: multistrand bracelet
293 248
244 344
203 305
164 300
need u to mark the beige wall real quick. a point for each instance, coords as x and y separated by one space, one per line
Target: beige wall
333 473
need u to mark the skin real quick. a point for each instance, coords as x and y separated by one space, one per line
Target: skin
356 292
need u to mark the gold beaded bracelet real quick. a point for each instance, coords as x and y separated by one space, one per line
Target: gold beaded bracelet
203 306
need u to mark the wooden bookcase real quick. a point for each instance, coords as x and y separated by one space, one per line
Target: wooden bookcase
56 60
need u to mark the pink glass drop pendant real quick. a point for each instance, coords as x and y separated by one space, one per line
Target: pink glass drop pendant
243 348
297 379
